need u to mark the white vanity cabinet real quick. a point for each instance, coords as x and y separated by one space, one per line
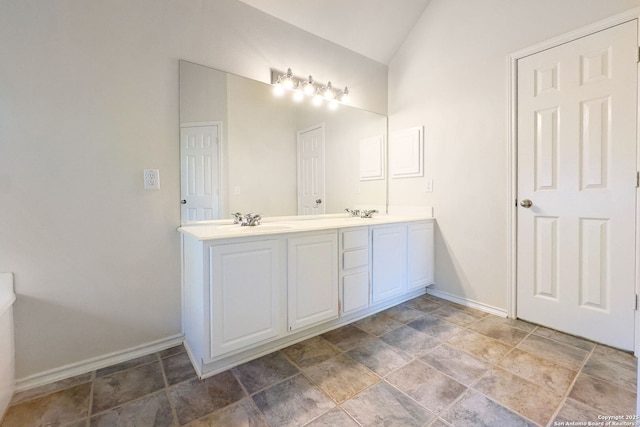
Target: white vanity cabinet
388 261
312 276
248 291
402 258
354 268
245 284
420 251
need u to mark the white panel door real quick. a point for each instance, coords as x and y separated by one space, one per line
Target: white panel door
311 180
312 279
199 170
577 166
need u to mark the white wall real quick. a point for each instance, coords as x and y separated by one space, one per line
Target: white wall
89 99
451 76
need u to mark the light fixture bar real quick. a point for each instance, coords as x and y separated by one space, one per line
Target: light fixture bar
287 81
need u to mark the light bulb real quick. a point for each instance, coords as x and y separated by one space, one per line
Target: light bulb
344 95
278 89
308 87
287 81
328 91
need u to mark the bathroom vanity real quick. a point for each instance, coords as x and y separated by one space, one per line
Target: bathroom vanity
248 291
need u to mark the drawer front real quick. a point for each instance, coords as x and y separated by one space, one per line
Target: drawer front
353 239
354 259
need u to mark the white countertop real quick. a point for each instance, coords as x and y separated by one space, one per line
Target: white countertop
224 229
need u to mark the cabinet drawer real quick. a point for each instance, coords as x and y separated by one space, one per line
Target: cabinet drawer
354 259
355 239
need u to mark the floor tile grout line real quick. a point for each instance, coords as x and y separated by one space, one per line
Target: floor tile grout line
570 388
174 412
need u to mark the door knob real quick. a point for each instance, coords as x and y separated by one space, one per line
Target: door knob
183 202
526 203
319 201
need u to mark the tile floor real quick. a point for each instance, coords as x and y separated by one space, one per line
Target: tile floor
426 362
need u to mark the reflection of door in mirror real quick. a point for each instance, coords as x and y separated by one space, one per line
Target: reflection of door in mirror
199 170
311 182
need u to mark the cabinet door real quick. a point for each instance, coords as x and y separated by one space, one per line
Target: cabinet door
420 251
245 285
355 291
389 261
312 279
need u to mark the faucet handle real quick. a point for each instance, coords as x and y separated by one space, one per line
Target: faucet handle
237 217
369 213
353 212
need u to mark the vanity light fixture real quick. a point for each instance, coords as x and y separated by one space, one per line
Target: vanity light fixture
343 95
308 87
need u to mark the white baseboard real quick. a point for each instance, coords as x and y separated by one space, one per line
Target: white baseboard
467 302
95 363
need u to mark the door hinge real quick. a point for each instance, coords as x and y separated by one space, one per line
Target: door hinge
638 57
637 179
636 302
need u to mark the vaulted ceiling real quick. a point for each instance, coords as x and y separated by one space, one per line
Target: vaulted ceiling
373 28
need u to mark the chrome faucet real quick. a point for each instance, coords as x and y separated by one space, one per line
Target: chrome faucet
251 220
237 217
368 213
353 212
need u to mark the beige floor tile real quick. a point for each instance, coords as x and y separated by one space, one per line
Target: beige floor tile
613 368
347 337
380 357
334 418
403 313
494 328
538 370
480 346
378 324
425 304
310 352
516 394
243 413
293 402
411 341
341 377
454 315
383 405
435 327
604 396
427 386
475 410
456 363
65 406
151 410
574 411
564 338
558 353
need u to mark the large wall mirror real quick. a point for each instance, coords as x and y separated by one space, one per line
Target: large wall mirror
240 144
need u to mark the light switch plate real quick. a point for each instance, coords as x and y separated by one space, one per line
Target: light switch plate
151 179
